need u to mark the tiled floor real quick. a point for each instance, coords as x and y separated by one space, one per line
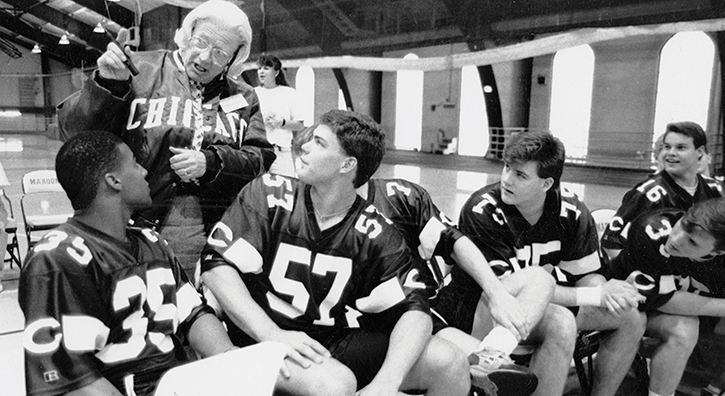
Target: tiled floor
449 179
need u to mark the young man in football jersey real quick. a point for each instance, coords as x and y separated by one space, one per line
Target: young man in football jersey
308 263
674 259
106 304
528 220
678 185
516 303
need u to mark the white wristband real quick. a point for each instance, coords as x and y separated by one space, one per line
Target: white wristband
591 296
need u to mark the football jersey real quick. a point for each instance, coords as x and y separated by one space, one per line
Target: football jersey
311 280
658 275
424 226
565 232
659 191
98 307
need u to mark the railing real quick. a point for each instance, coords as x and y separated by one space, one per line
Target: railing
27 123
625 150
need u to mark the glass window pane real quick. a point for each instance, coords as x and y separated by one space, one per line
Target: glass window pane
571 98
473 129
409 108
685 78
305 86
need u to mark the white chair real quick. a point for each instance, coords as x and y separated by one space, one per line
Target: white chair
44 180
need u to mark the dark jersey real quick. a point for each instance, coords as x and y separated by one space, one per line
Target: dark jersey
659 191
428 231
310 280
565 232
98 307
658 275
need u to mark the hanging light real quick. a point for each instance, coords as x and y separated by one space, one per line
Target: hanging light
64 39
36 49
99 28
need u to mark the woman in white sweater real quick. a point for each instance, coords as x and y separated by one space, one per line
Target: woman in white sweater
281 110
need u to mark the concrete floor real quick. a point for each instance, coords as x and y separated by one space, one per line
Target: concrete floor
449 179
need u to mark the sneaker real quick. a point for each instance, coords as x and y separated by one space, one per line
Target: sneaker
707 391
493 373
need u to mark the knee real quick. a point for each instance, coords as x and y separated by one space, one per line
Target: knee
633 323
343 383
446 362
560 328
682 332
542 278
450 360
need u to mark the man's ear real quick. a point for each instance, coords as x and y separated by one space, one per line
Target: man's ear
112 181
349 164
548 183
700 152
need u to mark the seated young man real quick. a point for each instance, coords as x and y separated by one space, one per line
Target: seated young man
674 259
106 304
528 220
516 303
678 185
308 263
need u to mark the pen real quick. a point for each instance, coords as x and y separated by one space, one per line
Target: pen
131 67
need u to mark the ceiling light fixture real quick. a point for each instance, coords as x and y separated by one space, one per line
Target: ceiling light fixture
36 49
64 39
113 1
99 28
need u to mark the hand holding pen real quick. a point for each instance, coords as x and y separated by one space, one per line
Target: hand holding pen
115 63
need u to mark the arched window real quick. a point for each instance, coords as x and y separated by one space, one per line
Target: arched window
409 108
341 105
473 128
571 98
305 86
685 78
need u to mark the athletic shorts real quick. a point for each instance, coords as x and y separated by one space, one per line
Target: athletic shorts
454 307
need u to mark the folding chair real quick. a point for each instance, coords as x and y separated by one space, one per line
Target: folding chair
44 180
587 342
44 204
11 228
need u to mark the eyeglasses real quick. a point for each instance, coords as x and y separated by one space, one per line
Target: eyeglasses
218 55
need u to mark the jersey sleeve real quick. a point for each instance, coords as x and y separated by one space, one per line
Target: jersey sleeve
484 223
582 240
642 262
238 238
391 277
644 197
62 328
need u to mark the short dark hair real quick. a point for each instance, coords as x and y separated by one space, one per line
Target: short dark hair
361 137
690 129
708 215
81 163
541 147
276 64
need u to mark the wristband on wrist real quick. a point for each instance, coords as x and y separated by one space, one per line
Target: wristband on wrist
591 296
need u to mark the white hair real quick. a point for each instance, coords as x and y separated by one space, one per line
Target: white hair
222 13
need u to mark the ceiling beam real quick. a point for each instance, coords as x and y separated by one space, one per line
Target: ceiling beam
73 55
322 30
60 20
116 13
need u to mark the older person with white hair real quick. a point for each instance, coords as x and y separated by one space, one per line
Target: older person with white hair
188 117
